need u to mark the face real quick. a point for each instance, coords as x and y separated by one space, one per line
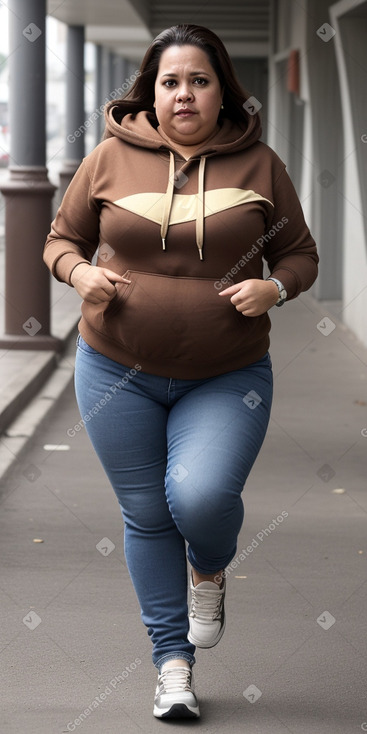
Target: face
187 95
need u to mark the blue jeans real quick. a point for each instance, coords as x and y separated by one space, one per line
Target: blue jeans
177 454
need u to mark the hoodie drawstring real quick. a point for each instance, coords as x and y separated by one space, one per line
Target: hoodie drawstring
200 209
168 199
200 204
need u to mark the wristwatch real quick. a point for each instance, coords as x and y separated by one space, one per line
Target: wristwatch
282 291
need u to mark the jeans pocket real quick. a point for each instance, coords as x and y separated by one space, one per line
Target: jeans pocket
82 344
266 360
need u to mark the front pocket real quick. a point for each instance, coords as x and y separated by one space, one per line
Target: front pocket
81 344
174 317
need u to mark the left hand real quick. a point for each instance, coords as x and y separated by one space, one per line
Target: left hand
252 297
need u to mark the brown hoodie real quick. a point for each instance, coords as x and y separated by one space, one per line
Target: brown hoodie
181 231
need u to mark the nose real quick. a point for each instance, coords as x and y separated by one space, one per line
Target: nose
184 93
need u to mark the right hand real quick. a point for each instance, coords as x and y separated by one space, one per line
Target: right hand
95 284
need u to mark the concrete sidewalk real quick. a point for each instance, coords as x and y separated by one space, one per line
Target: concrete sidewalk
74 653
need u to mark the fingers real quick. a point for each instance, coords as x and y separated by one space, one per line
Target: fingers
237 298
114 277
103 283
231 290
95 284
240 303
110 279
94 299
103 289
95 294
245 297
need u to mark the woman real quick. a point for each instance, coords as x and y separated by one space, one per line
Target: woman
181 202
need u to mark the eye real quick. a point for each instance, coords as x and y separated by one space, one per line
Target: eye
169 83
200 81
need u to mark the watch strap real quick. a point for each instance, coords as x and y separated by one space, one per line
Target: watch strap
282 291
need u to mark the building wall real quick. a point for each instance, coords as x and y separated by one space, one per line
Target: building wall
253 76
350 21
289 122
321 134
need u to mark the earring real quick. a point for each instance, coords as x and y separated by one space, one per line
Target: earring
222 107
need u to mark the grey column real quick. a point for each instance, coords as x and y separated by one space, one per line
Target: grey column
106 83
28 192
122 75
110 73
327 135
99 93
75 112
131 66
115 64
107 74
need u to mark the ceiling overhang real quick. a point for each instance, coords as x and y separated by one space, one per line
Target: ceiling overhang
126 27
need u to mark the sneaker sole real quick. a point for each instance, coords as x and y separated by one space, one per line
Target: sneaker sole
207 645
176 711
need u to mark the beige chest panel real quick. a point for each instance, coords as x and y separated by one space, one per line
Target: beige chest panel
184 206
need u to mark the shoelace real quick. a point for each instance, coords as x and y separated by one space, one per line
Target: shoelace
209 604
175 679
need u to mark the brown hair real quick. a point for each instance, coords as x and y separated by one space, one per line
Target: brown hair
141 95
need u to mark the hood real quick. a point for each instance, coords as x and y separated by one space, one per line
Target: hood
140 129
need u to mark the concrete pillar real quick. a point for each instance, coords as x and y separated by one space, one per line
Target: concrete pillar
28 192
99 93
131 67
253 76
123 75
75 112
110 73
105 86
106 74
327 138
115 70
349 20
120 76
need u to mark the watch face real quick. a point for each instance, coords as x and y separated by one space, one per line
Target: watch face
282 291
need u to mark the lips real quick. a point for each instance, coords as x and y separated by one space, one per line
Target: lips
185 113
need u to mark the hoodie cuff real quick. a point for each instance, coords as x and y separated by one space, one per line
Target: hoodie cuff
64 266
289 280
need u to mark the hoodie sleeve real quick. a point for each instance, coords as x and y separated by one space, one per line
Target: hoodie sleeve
74 235
290 250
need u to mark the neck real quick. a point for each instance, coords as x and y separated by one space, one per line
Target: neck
187 150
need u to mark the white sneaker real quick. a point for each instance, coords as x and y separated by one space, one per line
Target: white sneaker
206 615
174 696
